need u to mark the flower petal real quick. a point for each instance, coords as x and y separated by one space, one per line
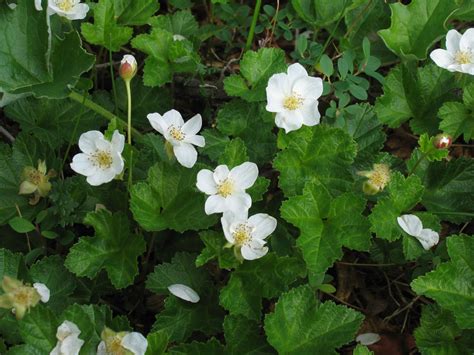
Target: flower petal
226 221
253 251
38 5
157 122
428 238
71 345
221 172
82 164
100 177
467 68
118 141
79 12
192 126
309 87
310 113
296 71
135 342
43 291
66 329
27 188
278 88
264 225
368 338
453 38
411 224
442 58
205 182
186 154
238 202
215 204
244 175
87 141
467 41
289 120
199 141
101 348
184 292
173 117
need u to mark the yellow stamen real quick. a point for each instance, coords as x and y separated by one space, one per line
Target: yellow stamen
293 102
225 188
242 234
176 133
102 158
65 5
380 176
463 57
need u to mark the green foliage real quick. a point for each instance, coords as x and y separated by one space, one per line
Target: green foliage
38 329
301 325
113 248
322 13
211 347
457 118
242 336
215 249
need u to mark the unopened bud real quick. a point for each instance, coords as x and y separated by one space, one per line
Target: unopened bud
443 141
128 67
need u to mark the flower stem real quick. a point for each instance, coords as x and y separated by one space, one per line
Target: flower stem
420 159
129 131
251 34
112 78
100 110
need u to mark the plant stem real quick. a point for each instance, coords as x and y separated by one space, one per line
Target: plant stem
112 78
453 213
129 131
420 159
100 110
251 34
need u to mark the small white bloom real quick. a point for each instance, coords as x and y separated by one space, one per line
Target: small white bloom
114 343
101 159
248 234
71 9
128 67
412 225
68 339
182 136
459 52
184 292
294 98
43 291
368 338
227 188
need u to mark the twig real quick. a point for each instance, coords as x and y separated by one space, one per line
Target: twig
366 265
343 302
398 311
7 134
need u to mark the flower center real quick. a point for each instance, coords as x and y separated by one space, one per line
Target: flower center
225 188
65 5
380 176
115 346
34 176
102 158
463 57
23 296
176 133
293 102
242 234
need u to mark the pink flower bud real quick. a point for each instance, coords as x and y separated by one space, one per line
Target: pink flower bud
443 141
128 67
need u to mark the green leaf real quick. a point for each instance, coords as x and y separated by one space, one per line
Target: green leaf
253 124
21 225
214 249
323 13
428 148
415 93
320 152
300 325
106 31
457 118
157 343
416 27
242 336
216 142
438 333
449 191
211 347
255 69
404 194
235 153
326 224
113 248
450 285
38 328
11 264
362 350
169 200
134 12
181 22
267 278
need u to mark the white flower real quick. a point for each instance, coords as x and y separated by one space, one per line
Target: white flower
101 159
412 225
71 9
116 343
368 338
43 291
184 292
294 98
68 340
459 53
227 188
180 135
248 234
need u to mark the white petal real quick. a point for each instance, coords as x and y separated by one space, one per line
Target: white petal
428 238
238 202
309 87
442 58
368 338
221 172
99 178
199 141
57 349
278 88
289 120
205 182
66 329
410 223
118 141
129 59
43 291
215 204
252 252
296 71
452 41
157 122
101 348
71 345
184 292
264 225
135 342
467 68
87 141
174 118
226 221
310 114
117 163
192 126
38 5
82 164
244 175
186 154
79 12
467 41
